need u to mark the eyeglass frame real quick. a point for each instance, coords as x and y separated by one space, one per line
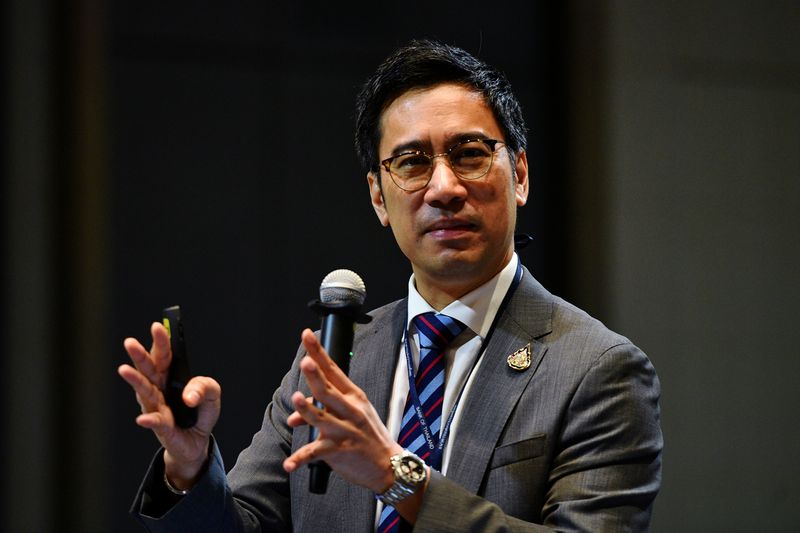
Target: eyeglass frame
491 143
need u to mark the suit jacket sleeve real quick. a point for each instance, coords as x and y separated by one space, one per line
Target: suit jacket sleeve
606 467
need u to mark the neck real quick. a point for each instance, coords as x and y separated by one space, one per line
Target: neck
441 291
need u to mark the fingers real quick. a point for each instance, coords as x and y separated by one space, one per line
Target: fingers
155 413
155 363
358 453
140 358
332 429
160 349
329 426
332 372
202 392
334 399
147 393
342 399
296 419
305 455
158 421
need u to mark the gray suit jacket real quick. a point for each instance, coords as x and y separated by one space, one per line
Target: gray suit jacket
573 443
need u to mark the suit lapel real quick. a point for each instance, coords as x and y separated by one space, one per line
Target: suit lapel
496 388
374 360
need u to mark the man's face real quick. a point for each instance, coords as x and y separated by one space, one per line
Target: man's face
457 234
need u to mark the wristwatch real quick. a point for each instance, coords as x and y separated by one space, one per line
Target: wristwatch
410 473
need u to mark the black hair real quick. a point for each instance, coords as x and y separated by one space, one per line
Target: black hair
422 64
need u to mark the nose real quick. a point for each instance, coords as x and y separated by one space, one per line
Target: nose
445 187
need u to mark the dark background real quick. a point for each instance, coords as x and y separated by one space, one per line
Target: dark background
160 153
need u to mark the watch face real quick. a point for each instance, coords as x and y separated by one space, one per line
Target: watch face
412 469
410 473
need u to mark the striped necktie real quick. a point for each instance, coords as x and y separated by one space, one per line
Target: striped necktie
436 331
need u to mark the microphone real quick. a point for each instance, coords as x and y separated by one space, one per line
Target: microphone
341 296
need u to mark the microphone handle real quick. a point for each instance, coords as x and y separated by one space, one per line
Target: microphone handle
336 336
318 471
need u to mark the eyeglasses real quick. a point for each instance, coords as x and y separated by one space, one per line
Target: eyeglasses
469 159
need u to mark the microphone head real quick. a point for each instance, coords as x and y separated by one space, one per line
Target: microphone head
343 286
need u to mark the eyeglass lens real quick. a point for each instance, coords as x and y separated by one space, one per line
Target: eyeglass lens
469 160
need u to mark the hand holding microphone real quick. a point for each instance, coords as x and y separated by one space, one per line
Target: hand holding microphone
347 434
341 295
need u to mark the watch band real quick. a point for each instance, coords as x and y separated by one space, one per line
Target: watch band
396 493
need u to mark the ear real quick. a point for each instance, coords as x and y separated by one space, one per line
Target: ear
376 196
521 179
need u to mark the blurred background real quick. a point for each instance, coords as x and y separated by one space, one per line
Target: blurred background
161 153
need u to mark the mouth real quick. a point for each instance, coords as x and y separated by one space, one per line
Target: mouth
451 228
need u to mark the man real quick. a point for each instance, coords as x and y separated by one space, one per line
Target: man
480 402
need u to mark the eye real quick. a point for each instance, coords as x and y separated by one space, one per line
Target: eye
470 155
410 163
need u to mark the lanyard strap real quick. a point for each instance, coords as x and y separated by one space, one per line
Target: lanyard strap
437 449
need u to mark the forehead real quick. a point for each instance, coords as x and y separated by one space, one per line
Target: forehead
436 116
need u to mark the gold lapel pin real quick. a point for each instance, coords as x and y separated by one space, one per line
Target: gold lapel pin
521 359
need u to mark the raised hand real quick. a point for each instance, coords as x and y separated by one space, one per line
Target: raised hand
186 450
352 438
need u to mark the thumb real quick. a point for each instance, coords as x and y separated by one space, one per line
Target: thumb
204 393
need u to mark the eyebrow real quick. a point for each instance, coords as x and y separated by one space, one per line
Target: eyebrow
423 146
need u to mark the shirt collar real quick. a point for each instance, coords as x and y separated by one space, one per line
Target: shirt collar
477 308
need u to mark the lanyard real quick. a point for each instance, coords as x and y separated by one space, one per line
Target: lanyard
437 449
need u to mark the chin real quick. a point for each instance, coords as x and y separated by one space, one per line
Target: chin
457 267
